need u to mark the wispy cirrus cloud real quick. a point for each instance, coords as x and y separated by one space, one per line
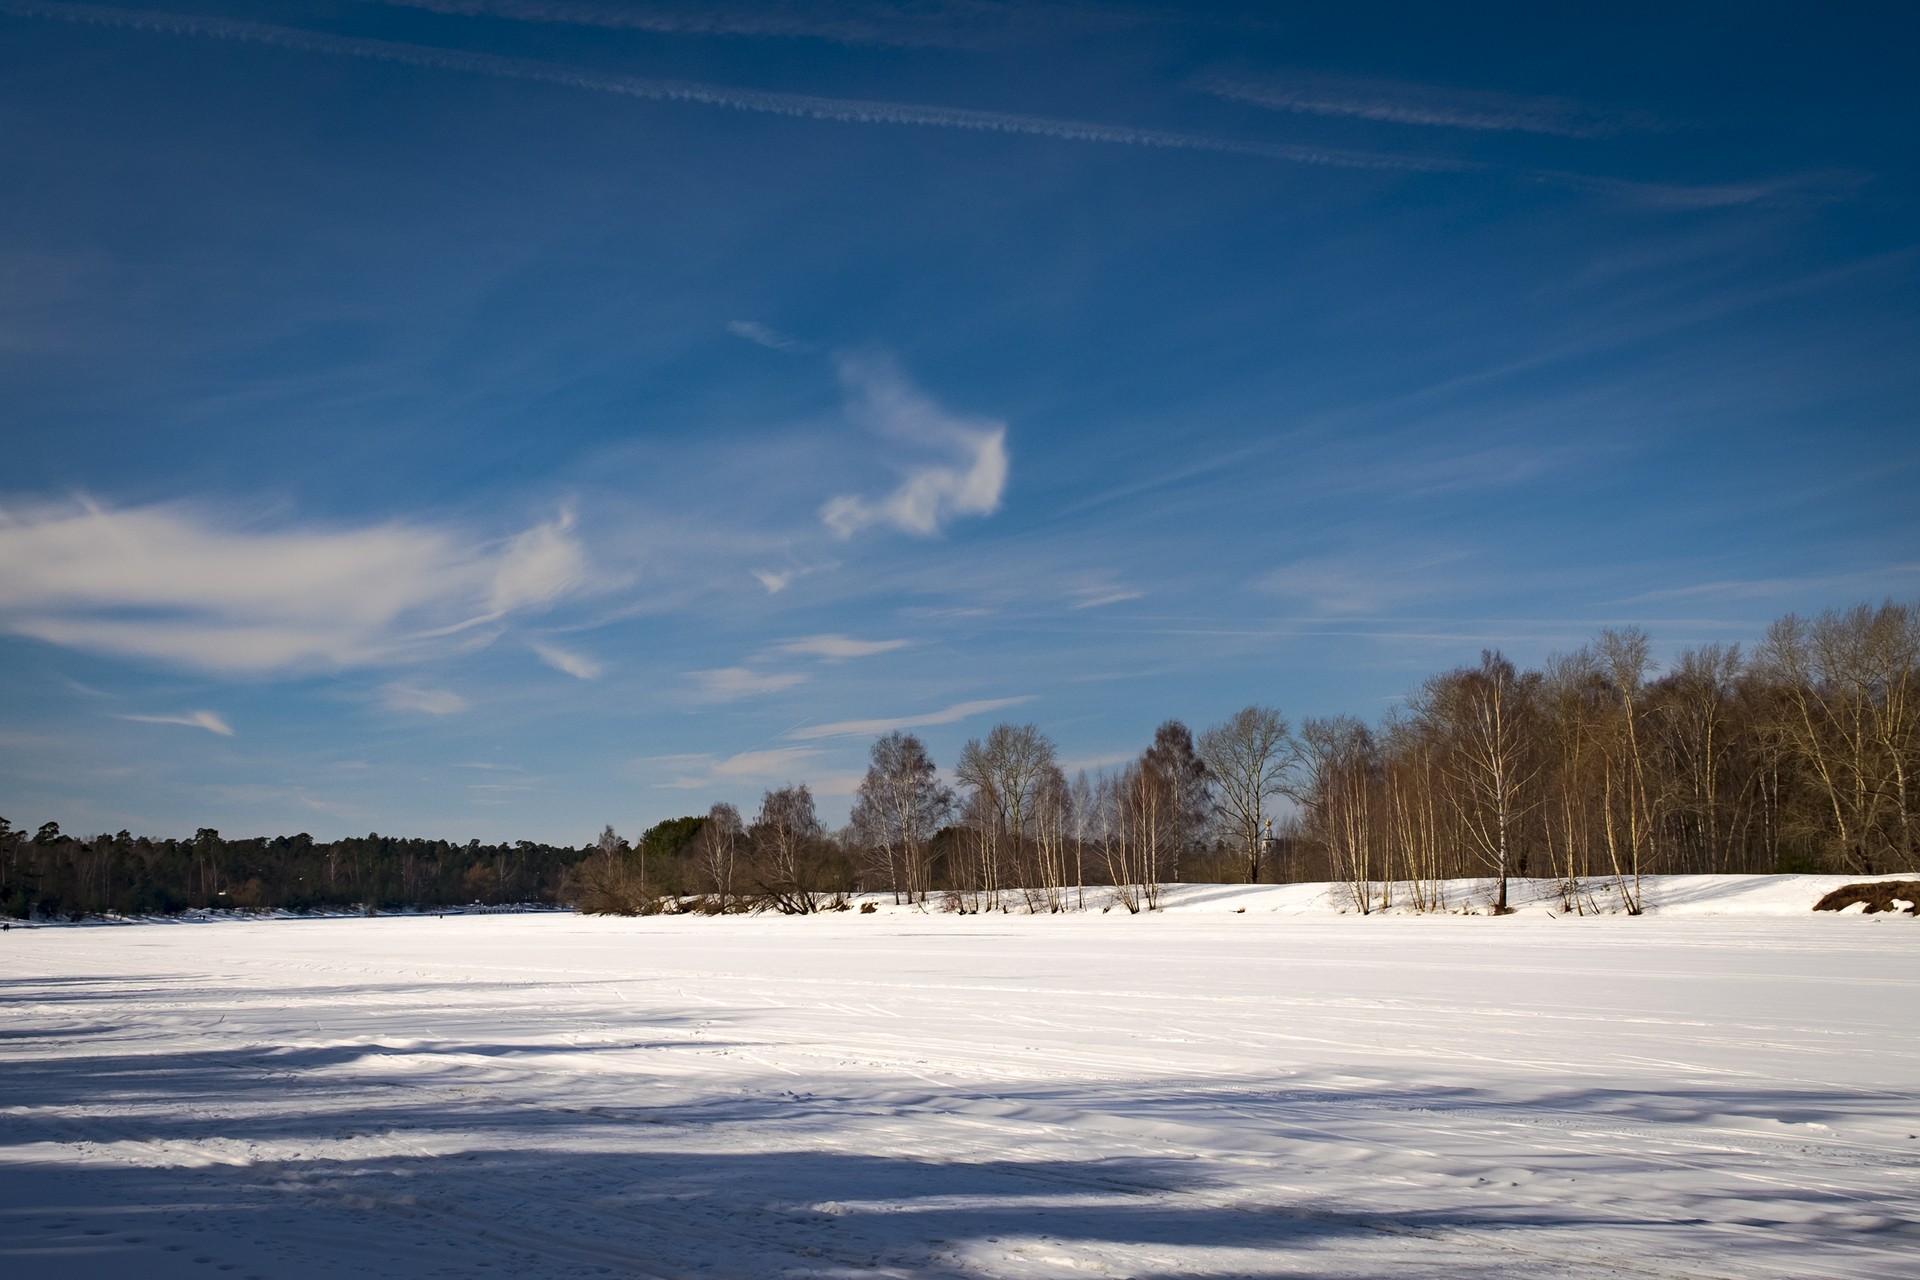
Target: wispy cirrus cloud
836 648
537 567
932 495
693 772
729 684
172 584
776 580
763 335
1441 106
191 719
881 112
762 764
1097 595
801 105
401 696
922 24
1358 584
950 26
577 665
1796 189
1865 581
279 797
946 715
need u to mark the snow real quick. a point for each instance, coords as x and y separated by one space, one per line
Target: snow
1789 895
1728 1086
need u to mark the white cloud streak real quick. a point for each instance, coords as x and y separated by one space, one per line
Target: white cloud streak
1399 102
1859 582
1100 597
916 26
772 339
946 715
921 24
579 666
538 567
412 697
192 719
776 764
800 105
729 684
836 648
930 496
167 583
867 111
763 764
1357 585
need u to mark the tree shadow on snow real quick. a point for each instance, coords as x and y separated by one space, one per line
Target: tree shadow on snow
414 1141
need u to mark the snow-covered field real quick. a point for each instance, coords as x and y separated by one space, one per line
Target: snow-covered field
1200 1092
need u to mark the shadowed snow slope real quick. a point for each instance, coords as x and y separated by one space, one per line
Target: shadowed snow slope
1192 1093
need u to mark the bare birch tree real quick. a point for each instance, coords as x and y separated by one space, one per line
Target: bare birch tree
1415 811
717 849
1005 773
786 836
1118 824
1343 800
1482 715
609 881
1695 734
1250 758
1850 684
1625 658
1083 814
1172 765
900 805
1052 826
1574 702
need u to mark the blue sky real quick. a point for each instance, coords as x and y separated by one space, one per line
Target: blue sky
497 418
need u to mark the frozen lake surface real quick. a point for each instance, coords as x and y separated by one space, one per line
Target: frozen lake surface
1194 1093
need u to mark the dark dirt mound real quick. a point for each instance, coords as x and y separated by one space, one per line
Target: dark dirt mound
1883 895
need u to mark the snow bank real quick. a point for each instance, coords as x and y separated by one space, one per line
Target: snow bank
1784 895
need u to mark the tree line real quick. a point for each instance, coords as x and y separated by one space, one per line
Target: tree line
1602 768
1595 770
53 875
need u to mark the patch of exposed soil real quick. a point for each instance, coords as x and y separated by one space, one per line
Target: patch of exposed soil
1881 895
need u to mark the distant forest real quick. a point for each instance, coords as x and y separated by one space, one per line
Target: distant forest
1599 768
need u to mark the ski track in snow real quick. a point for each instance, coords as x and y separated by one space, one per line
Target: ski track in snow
1198 1092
